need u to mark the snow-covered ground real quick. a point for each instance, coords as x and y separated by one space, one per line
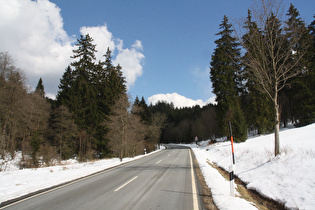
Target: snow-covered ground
288 178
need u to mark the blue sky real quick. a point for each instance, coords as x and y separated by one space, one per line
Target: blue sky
166 45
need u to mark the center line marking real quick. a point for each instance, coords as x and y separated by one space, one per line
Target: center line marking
158 162
125 183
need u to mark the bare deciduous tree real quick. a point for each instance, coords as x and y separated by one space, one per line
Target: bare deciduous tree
118 124
272 56
64 131
157 122
126 131
12 96
135 136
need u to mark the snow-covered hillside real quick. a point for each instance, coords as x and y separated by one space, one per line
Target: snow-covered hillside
288 178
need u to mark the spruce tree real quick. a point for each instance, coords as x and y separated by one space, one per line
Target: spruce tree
115 83
136 101
84 56
310 56
103 108
66 82
258 107
82 92
224 74
40 88
108 61
301 91
78 92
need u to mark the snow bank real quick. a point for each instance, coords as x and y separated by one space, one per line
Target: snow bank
220 187
288 178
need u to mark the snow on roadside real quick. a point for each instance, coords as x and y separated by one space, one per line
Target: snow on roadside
288 178
220 187
16 183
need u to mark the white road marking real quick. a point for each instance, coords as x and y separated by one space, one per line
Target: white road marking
125 183
158 162
194 189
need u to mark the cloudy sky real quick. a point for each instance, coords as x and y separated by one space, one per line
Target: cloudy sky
164 47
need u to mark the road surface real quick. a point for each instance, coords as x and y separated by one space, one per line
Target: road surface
164 180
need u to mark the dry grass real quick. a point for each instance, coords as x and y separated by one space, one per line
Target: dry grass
205 192
252 196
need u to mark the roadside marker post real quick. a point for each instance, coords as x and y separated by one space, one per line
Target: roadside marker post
232 167
196 141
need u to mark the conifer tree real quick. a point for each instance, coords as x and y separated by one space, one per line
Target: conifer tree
78 92
66 82
137 101
83 95
40 88
224 74
108 61
103 108
115 82
84 56
301 91
255 101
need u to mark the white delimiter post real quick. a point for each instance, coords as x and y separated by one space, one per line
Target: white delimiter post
232 167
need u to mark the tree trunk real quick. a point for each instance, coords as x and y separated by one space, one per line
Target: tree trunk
277 126
2 139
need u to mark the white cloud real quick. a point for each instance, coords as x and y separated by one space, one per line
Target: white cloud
179 101
131 61
211 100
138 45
32 32
102 38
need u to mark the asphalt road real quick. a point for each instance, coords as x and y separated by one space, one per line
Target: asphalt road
164 180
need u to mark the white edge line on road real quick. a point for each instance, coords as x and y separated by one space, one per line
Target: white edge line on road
158 162
194 189
125 183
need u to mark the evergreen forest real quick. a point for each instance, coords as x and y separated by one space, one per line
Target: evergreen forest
93 116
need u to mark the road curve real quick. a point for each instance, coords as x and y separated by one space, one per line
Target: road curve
164 180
